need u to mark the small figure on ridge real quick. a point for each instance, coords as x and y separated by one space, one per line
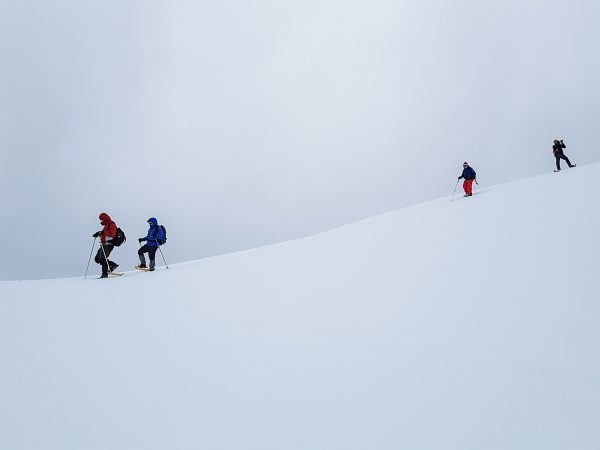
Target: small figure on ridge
110 237
156 236
557 150
469 175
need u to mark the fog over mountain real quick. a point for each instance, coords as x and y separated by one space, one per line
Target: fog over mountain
244 123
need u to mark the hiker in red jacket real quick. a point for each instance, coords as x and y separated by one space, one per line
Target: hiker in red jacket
108 233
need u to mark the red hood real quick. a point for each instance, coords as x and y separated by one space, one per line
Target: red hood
105 219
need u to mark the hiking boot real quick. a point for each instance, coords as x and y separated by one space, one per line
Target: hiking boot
142 266
112 265
104 275
151 265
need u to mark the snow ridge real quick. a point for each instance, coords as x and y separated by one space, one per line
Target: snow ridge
447 325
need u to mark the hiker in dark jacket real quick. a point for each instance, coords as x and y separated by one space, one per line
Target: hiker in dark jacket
108 233
557 151
469 176
153 239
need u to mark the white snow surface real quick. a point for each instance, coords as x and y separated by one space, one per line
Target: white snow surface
470 324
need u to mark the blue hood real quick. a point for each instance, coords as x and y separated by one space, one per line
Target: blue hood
153 222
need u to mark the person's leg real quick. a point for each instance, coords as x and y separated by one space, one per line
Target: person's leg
557 162
102 259
469 187
152 256
141 251
567 160
108 248
99 256
111 264
465 183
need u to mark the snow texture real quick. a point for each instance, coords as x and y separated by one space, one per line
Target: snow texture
462 325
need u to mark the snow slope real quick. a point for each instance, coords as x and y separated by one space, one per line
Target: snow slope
463 325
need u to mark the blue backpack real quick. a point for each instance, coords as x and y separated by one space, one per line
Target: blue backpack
164 239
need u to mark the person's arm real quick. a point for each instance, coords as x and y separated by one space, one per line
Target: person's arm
148 236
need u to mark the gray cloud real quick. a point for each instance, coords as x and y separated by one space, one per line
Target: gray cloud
243 123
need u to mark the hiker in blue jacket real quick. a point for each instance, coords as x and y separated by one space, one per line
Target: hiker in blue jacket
469 175
154 238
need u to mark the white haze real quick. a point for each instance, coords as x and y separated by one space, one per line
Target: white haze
241 123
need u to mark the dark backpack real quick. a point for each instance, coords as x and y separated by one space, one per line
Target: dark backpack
119 238
164 239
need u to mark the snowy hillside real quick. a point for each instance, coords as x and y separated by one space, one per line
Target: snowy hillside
463 325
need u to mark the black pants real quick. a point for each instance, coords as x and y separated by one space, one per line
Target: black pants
100 259
562 156
150 250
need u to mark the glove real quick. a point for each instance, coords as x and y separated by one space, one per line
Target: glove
459 178
96 234
140 240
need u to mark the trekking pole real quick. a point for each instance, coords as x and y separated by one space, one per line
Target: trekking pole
89 260
455 187
161 253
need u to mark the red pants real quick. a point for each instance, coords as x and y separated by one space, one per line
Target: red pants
468 187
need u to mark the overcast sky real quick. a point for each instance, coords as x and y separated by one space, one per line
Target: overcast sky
239 123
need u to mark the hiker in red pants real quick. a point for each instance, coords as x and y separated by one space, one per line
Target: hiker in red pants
469 176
